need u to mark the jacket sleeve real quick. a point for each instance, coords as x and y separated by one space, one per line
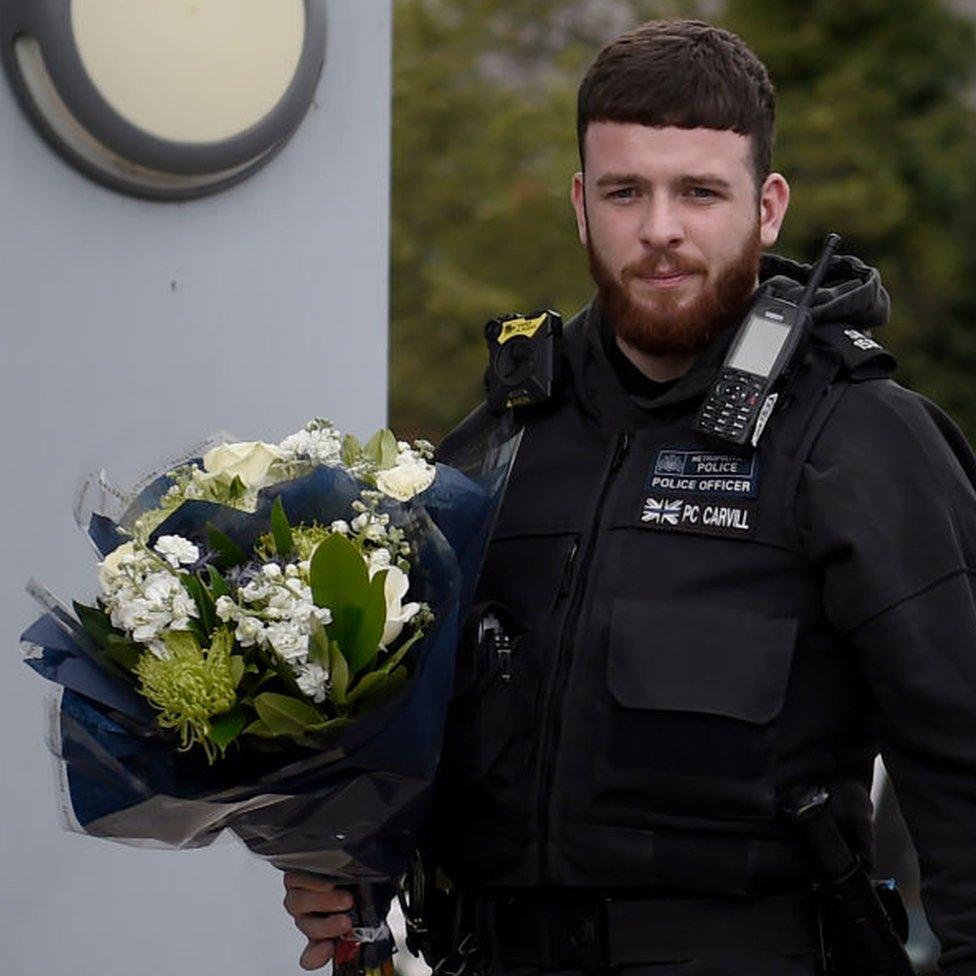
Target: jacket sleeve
887 509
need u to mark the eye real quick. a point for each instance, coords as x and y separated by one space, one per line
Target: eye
623 193
701 193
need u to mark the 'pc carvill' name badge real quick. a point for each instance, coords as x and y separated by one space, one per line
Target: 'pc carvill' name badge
701 492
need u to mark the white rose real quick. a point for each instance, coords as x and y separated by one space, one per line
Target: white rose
110 568
249 631
226 609
296 445
395 588
255 591
313 679
249 460
176 550
160 588
406 480
288 642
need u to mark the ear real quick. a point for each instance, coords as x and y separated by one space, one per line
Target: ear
579 205
773 201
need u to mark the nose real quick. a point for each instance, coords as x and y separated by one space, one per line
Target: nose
661 226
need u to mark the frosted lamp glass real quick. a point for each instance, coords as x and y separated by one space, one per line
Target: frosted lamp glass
190 70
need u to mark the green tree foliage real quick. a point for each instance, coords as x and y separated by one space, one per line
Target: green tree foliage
877 135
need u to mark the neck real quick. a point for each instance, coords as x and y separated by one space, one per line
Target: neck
661 369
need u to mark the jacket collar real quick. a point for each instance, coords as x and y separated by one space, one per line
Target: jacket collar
600 391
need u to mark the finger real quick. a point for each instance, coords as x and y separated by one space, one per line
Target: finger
317 954
298 901
318 927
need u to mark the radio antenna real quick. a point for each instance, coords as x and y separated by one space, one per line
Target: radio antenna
819 269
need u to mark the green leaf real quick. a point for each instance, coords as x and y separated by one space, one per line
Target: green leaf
365 684
250 685
340 581
227 726
333 725
388 458
280 529
260 729
398 655
217 583
237 489
351 452
123 652
196 628
381 449
229 553
201 597
338 673
237 669
309 738
381 691
318 646
284 714
96 623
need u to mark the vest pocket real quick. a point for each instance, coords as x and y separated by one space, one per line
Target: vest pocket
694 694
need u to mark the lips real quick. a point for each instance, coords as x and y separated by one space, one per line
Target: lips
664 279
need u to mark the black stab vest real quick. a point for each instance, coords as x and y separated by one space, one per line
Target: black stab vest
673 678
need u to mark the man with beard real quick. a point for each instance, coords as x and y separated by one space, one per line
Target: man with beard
701 635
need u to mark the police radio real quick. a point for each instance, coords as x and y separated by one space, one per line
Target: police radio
523 359
742 398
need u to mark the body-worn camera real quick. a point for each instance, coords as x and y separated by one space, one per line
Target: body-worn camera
523 359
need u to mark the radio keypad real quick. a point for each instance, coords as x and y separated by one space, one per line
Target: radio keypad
732 405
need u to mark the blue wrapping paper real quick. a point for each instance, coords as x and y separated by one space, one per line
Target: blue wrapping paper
351 811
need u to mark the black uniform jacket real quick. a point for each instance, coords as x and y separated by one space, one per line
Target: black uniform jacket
701 632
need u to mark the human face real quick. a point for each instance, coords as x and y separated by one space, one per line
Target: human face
674 228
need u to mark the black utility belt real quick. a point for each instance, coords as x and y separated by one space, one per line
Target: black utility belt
590 931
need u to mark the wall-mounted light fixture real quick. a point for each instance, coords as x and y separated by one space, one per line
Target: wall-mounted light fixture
165 99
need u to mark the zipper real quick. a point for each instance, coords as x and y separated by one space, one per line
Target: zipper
550 712
565 581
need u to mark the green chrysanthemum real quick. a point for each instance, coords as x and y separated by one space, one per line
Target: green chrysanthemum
190 687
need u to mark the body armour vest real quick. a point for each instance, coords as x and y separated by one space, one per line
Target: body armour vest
673 678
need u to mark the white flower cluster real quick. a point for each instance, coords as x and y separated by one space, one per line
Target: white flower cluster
275 611
142 592
380 544
234 473
318 441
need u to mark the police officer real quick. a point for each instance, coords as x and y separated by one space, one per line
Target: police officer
700 634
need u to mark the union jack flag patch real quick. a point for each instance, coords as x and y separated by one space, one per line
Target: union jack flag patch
660 511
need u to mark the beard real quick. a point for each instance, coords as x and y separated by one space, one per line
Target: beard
665 326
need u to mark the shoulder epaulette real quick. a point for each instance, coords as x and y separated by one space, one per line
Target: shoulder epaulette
861 357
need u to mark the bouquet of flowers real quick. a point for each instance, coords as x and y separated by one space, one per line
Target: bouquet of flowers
270 651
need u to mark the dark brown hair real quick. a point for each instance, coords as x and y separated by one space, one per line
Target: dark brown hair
683 73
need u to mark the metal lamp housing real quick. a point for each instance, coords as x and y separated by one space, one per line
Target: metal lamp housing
92 77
